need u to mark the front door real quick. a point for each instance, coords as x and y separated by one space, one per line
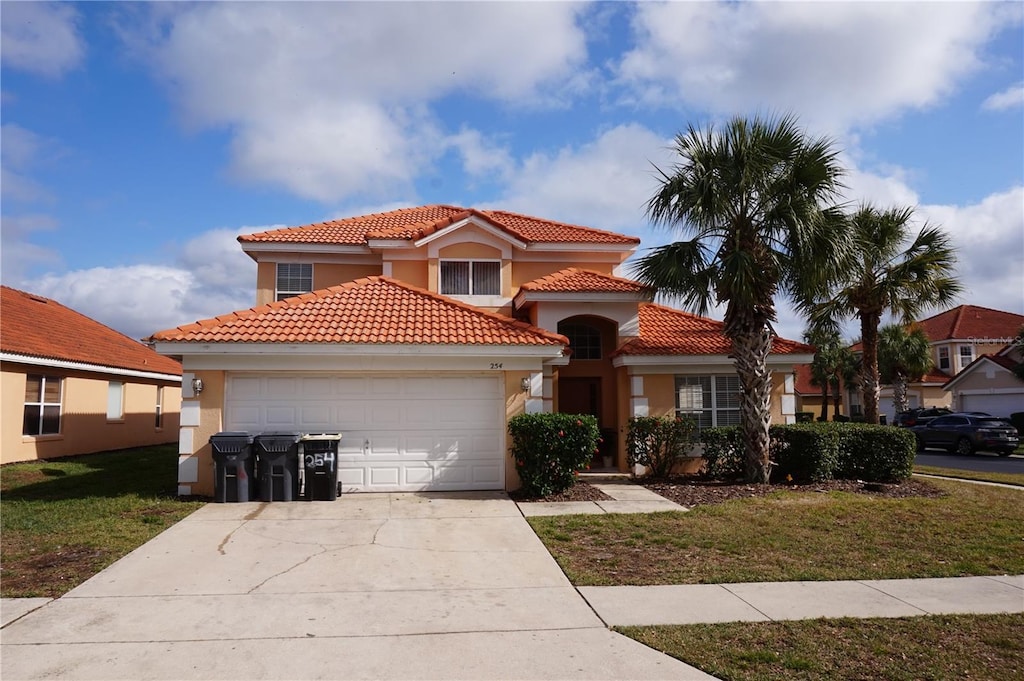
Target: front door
580 396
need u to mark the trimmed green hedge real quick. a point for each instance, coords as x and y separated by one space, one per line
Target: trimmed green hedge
658 443
549 449
813 452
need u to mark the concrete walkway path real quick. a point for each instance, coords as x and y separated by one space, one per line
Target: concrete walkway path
627 496
770 601
374 586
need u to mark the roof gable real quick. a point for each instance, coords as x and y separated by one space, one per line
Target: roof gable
414 224
1003 362
668 331
374 310
43 328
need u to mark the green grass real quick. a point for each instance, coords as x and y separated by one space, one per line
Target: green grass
62 521
792 536
1005 478
986 647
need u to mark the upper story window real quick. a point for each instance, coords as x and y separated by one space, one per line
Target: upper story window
966 355
293 279
42 405
584 340
471 277
944 358
709 400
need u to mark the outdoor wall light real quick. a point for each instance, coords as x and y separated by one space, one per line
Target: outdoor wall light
524 384
197 385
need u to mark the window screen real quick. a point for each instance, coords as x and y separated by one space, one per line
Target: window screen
293 279
42 405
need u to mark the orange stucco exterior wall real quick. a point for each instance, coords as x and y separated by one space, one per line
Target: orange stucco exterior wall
84 426
412 272
211 402
324 276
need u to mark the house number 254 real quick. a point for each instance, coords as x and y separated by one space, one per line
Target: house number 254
496 365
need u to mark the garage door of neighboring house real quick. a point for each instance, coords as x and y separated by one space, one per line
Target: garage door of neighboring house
408 432
887 406
998 404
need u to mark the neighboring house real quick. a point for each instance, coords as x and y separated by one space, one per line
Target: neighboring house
419 332
808 395
71 385
989 384
958 336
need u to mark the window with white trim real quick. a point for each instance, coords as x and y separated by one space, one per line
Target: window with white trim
159 407
709 400
293 279
43 396
944 358
115 401
470 277
966 355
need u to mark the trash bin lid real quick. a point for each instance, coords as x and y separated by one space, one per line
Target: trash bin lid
280 435
320 436
234 434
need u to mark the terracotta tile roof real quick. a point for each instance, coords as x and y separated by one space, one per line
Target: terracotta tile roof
667 331
375 310
803 384
574 280
419 222
40 327
936 376
971 321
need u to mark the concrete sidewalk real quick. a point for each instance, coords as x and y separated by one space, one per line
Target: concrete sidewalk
770 601
372 586
627 497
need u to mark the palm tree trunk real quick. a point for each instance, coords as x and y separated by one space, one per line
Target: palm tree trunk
824 402
750 348
835 399
869 364
899 393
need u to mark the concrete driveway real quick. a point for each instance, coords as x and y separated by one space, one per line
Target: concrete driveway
376 586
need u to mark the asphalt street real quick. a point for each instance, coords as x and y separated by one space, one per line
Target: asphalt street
986 462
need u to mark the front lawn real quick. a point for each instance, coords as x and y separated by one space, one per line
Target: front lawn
794 536
64 520
933 647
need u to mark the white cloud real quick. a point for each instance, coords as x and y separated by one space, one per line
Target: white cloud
330 100
837 64
211 276
1010 98
604 183
41 38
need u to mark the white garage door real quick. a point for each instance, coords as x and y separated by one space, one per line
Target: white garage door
406 432
997 405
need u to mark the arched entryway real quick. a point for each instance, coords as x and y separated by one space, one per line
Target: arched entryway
587 384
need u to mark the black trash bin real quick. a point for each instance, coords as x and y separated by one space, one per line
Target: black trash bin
320 466
277 462
234 467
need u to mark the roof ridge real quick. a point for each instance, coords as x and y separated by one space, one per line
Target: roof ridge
557 223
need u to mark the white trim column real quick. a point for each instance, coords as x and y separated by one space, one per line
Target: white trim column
638 404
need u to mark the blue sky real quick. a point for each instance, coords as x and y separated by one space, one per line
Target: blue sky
140 139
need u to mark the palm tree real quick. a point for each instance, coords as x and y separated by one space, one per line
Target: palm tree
883 274
827 346
847 374
903 357
751 196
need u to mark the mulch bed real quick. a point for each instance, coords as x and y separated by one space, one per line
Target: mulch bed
692 492
689 491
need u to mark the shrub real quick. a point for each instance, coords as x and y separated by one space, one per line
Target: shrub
549 449
658 442
875 453
1017 419
723 452
804 452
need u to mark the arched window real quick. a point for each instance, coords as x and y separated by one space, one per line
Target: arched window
584 340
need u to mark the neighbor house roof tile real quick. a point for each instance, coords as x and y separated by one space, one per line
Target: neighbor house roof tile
422 221
374 310
970 321
575 280
667 331
43 328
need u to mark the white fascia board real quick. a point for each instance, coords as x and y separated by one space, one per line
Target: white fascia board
286 247
353 349
387 244
579 297
84 366
775 363
284 362
572 246
484 225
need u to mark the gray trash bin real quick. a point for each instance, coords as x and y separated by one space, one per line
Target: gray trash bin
234 467
277 464
320 466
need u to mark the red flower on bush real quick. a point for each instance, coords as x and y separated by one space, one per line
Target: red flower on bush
561 433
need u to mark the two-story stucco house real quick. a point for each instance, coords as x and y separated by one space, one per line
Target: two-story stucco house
419 332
